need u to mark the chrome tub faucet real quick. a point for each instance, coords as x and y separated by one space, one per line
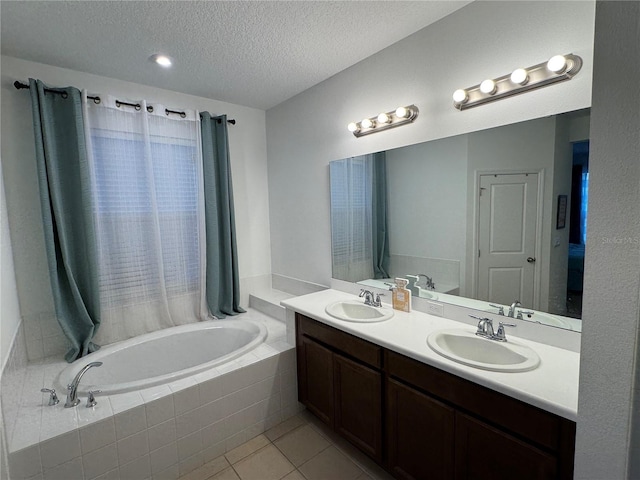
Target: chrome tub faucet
72 397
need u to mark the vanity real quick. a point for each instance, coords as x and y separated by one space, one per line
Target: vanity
421 415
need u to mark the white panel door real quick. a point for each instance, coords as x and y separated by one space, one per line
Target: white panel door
507 238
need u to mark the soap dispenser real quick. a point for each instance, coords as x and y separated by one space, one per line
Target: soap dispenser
401 297
413 288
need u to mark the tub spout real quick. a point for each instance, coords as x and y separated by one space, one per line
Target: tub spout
72 397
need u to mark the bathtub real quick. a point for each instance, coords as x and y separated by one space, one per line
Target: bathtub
164 356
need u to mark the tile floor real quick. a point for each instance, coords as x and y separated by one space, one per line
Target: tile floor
297 449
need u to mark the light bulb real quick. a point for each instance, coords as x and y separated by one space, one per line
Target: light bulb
352 127
519 76
557 64
460 96
488 86
366 123
383 118
402 112
161 60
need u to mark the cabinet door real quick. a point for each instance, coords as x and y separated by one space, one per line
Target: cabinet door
420 436
358 405
483 451
316 389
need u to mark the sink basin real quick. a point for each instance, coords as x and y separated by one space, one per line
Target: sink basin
465 347
356 311
547 319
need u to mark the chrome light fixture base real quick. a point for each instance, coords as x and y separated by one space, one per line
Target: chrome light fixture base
536 76
393 120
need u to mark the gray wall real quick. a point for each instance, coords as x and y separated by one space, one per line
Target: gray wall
611 310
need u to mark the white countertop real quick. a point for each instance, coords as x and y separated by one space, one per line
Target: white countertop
553 386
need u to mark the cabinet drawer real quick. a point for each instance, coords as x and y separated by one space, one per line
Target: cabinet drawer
542 427
351 346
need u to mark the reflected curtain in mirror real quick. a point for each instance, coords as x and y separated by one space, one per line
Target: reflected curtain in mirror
360 245
67 204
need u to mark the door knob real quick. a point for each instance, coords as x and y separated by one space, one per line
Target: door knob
531 259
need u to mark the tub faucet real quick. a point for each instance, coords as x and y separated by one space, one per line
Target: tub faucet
428 281
512 308
72 397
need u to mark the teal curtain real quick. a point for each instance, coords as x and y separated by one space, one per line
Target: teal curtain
380 231
222 283
65 197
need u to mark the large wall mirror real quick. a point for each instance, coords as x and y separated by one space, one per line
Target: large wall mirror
482 220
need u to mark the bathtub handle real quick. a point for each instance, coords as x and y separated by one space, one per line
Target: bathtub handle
91 399
53 398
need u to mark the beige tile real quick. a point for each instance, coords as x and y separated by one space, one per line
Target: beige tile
330 464
295 475
284 427
208 469
265 464
228 474
246 449
301 444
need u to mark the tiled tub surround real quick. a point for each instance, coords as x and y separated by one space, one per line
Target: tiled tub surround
159 432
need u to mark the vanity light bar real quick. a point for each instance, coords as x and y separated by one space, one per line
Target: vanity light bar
384 121
558 69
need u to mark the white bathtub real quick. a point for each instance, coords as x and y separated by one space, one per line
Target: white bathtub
164 356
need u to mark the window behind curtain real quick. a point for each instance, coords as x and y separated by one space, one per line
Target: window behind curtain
136 204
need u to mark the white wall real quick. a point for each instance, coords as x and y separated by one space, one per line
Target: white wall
484 39
248 164
609 401
10 313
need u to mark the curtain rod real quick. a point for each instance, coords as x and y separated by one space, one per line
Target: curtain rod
96 100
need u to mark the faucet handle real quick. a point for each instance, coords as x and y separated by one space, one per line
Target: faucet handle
499 307
91 399
53 398
500 336
524 312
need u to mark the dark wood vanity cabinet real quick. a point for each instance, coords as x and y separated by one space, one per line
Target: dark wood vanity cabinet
343 389
420 422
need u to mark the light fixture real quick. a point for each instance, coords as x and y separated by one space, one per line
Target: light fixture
367 123
519 76
559 68
384 121
161 60
557 63
460 96
383 118
488 86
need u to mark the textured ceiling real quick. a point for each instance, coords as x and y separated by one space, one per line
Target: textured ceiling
256 53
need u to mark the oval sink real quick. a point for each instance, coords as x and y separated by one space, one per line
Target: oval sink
355 311
469 349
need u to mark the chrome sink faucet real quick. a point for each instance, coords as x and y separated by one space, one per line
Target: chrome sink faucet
485 329
369 298
72 397
512 309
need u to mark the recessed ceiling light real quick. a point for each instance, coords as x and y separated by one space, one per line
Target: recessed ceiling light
161 60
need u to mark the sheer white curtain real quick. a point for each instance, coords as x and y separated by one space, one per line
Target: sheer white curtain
147 182
351 218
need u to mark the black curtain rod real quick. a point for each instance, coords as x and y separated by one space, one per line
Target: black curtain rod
96 100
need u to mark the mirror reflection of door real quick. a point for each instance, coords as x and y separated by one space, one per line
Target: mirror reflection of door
507 219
